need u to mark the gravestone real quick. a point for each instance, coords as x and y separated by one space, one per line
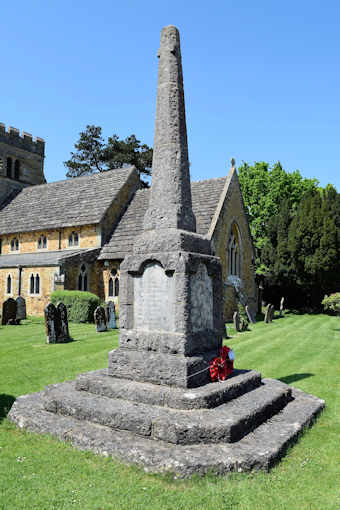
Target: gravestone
21 308
267 314
282 306
111 315
64 335
271 313
249 315
9 312
236 321
52 324
100 319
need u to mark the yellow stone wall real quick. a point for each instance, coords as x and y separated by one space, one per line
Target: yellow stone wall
98 283
94 277
89 237
106 271
36 303
233 212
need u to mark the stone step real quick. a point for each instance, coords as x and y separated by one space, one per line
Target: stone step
228 422
207 396
260 449
225 423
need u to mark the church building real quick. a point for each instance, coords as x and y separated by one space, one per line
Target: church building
73 234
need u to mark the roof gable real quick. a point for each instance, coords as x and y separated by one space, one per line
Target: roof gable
205 198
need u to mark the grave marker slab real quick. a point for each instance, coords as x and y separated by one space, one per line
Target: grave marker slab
111 315
64 335
236 320
282 306
267 313
9 312
100 319
52 324
21 308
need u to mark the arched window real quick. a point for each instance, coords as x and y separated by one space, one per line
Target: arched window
111 287
42 242
17 169
9 284
73 239
14 244
34 284
114 284
37 284
82 278
9 168
234 253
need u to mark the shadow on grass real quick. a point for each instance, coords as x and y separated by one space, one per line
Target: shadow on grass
6 402
294 377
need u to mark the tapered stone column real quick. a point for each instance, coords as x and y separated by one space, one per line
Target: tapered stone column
170 202
170 287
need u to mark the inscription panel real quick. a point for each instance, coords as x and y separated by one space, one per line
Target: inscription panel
201 300
154 299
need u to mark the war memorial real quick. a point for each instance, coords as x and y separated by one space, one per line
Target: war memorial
155 404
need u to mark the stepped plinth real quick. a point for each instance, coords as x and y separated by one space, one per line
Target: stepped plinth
241 424
155 405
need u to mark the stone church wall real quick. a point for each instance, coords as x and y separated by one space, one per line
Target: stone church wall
233 212
35 303
30 153
89 237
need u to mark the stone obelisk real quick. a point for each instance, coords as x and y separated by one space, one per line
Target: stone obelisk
170 203
171 287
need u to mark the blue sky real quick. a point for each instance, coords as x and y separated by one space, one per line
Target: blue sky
262 79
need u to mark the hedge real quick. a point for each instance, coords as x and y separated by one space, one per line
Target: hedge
80 305
332 303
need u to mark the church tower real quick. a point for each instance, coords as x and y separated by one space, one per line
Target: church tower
21 161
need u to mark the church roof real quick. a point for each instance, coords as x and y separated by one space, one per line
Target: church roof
47 258
205 199
68 203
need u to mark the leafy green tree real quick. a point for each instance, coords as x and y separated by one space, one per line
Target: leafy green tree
93 155
265 189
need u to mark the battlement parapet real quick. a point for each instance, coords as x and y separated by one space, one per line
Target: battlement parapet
24 141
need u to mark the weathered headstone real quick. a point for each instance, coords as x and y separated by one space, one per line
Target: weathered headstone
236 321
267 314
271 313
52 324
100 319
21 308
111 315
249 315
64 334
282 306
9 312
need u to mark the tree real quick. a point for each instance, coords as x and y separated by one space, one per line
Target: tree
303 255
264 190
94 155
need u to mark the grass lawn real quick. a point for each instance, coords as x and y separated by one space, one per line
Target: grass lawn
41 473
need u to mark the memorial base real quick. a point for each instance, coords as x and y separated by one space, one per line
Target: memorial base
241 424
157 368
